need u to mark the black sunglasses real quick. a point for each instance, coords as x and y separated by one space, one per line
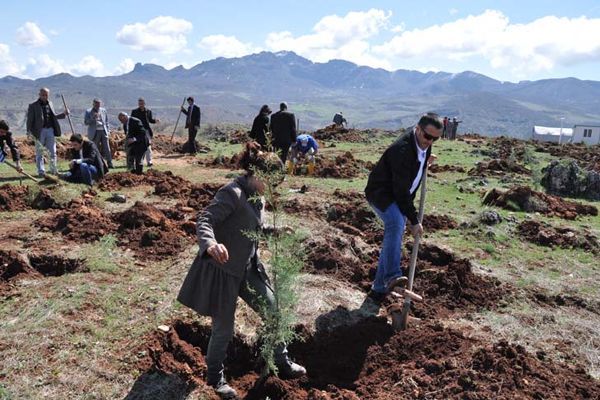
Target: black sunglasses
428 136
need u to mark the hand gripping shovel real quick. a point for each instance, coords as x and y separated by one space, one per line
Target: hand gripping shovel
400 320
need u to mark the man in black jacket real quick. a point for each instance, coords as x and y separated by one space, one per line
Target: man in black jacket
88 166
391 190
136 139
145 115
7 139
192 123
260 126
283 127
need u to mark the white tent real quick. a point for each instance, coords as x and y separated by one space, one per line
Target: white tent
549 134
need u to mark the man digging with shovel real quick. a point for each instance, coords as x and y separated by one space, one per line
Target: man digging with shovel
391 190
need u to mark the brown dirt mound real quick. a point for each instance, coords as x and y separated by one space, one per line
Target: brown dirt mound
546 235
433 222
339 134
147 231
14 198
588 157
497 167
523 198
507 148
80 220
436 168
222 162
165 182
27 150
116 141
163 144
343 166
358 214
367 360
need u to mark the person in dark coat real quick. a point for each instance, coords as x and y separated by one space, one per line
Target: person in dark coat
391 190
192 123
6 139
145 115
227 265
455 123
136 139
283 128
88 167
445 132
260 126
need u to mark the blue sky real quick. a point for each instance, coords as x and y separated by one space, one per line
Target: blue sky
507 40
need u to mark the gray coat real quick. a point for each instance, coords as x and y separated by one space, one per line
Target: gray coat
210 288
90 121
35 119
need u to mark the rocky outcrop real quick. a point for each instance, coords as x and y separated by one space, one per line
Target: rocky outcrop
569 180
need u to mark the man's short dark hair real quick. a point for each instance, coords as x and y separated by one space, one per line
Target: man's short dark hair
283 106
4 125
76 137
141 99
431 119
190 98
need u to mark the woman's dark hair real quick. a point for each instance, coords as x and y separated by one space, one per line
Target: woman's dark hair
254 159
76 137
431 119
265 109
3 125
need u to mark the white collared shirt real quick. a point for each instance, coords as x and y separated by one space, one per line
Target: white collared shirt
421 155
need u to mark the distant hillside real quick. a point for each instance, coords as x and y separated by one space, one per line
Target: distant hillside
231 90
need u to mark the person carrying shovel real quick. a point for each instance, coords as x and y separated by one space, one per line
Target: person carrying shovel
7 139
391 190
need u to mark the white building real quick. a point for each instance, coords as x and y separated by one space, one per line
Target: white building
548 134
588 134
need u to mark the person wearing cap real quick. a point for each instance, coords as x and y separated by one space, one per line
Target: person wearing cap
96 119
6 138
192 124
136 139
305 148
260 126
391 190
283 129
88 167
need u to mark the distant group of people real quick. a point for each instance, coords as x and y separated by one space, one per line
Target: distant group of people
450 127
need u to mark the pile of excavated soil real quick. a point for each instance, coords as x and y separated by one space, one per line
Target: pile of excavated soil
119 180
55 265
147 231
81 220
588 157
237 137
339 134
523 198
199 195
116 141
497 167
507 148
356 213
343 166
434 222
547 235
436 168
162 144
222 162
14 198
27 150
367 360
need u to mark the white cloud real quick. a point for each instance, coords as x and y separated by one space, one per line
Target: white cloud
126 65
523 49
89 65
337 37
453 11
163 34
43 65
226 46
8 66
30 35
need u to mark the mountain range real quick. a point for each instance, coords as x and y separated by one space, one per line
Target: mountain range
231 90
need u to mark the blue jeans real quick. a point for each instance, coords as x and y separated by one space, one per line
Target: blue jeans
46 140
83 173
390 255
